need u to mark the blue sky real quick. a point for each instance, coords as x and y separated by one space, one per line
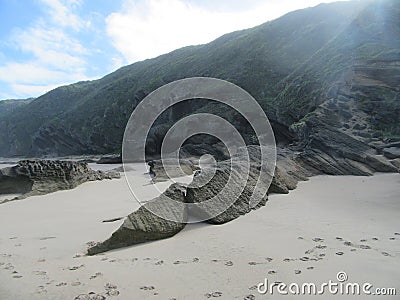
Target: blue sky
48 43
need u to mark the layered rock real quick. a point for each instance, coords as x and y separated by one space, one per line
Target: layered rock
168 168
112 159
38 177
392 152
146 225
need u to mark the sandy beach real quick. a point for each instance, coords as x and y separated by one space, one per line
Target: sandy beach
327 225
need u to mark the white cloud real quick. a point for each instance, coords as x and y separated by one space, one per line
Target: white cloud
62 13
51 56
148 28
35 74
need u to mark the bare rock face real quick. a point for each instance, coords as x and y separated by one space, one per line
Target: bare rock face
240 189
38 177
168 168
143 225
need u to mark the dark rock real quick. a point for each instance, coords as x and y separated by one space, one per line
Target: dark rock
396 163
391 152
168 168
239 189
144 226
112 159
38 177
288 173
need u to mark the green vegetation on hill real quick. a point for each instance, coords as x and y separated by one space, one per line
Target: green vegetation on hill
289 65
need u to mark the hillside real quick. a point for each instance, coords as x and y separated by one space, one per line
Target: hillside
8 106
90 117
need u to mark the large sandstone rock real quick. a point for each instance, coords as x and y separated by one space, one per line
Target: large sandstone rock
221 209
38 177
144 225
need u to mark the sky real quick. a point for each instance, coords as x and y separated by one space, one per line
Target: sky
48 43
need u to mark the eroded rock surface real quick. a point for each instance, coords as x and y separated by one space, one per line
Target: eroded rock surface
38 177
144 225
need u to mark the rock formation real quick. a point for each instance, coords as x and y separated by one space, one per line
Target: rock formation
38 177
143 225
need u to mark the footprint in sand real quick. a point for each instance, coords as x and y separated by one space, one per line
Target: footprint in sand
229 264
133 259
375 239
317 240
385 254
339 253
41 290
111 290
148 288
17 245
305 258
269 259
61 284
288 259
196 260
300 238
17 276
159 263
47 238
363 240
339 238
272 272
74 268
249 297
252 288
297 272
76 283
98 274
310 268
366 247
90 296
40 260
179 262
13 238
40 273
397 233
9 267
213 295
392 238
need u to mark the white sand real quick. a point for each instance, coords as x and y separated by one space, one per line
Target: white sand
40 236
